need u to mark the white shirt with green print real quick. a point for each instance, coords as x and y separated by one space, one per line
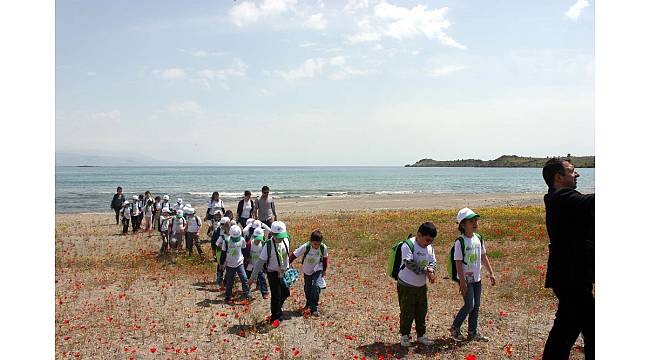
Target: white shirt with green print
282 254
423 256
234 256
312 260
473 252
256 250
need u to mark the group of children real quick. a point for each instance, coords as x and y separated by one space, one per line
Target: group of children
418 264
259 254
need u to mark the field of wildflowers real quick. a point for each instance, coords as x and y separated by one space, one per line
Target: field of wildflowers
116 299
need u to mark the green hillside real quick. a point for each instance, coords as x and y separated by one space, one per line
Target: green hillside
505 161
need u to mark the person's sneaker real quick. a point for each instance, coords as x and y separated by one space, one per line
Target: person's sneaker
265 296
455 334
478 337
405 340
315 314
425 341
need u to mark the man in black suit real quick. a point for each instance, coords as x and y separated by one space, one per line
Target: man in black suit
570 225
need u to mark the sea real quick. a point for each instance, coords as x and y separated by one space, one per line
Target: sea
90 189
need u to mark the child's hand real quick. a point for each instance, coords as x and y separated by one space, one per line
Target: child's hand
463 287
432 277
493 280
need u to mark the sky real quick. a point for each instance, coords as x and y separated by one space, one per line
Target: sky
291 82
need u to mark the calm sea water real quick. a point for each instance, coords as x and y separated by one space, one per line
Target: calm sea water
91 189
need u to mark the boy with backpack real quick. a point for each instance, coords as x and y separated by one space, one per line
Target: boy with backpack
192 238
136 209
255 245
275 255
126 216
220 255
414 263
468 254
179 226
314 265
165 218
234 248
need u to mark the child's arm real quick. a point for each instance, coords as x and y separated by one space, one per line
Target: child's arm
486 262
324 265
461 277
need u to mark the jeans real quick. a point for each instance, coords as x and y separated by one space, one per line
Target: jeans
268 222
471 307
575 313
279 293
230 278
312 290
219 277
242 221
412 306
192 239
165 242
261 281
134 223
125 225
117 216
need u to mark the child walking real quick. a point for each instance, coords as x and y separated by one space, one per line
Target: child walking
275 254
255 245
234 247
126 216
135 214
418 265
165 218
215 229
314 265
148 215
178 229
192 238
468 267
221 255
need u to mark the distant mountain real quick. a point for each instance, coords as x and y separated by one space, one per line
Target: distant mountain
505 161
69 159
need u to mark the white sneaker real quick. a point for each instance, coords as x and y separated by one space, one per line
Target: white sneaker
405 340
425 341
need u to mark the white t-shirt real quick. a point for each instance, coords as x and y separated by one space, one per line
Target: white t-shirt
148 211
234 256
215 205
283 254
177 207
193 224
135 208
473 252
312 260
256 250
126 213
422 256
247 208
177 224
164 223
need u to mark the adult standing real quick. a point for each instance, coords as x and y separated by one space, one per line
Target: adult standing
116 204
245 209
265 207
214 205
570 223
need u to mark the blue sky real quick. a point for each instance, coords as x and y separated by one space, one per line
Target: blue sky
289 82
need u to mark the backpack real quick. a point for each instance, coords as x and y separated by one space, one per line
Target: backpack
451 264
270 243
321 251
395 257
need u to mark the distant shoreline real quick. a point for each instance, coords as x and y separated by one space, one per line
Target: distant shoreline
505 161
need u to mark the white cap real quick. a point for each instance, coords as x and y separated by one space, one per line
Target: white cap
258 232
188 205
218 212
126 202
233 222
189 210
135 197
257 224
465 213
249 221
180 201
279 230
224 220
166 197
235 231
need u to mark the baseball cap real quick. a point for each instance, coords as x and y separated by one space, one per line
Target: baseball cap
235 231
224 220
465 213
257 224
249 221
180 201
279 230
189 210
179 213
126 202
135 197
166 197
258 234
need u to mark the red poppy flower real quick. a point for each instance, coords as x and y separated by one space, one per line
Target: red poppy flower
153 350
275 323
470 357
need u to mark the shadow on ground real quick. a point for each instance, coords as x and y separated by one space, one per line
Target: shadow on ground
440 345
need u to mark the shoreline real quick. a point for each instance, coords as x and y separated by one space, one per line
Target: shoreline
358 203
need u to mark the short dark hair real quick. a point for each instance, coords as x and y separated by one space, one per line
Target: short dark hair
119 188
553 166
265 188
247 193
428 229
157 198
316 236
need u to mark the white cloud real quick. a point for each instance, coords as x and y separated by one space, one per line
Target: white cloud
309 69
207 76
172 73
112 115
444 71
343 71
273 7
576 9
316 21
186 107
403 23
355 5
200 52
244 13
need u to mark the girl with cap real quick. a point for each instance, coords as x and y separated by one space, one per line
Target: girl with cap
255 224
136 209
215 229
148 215
468 267
234 248
156 213
314 265
192 238
179 205
221 255
179 226
165 203
275 254
165 218
254 246
126 216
